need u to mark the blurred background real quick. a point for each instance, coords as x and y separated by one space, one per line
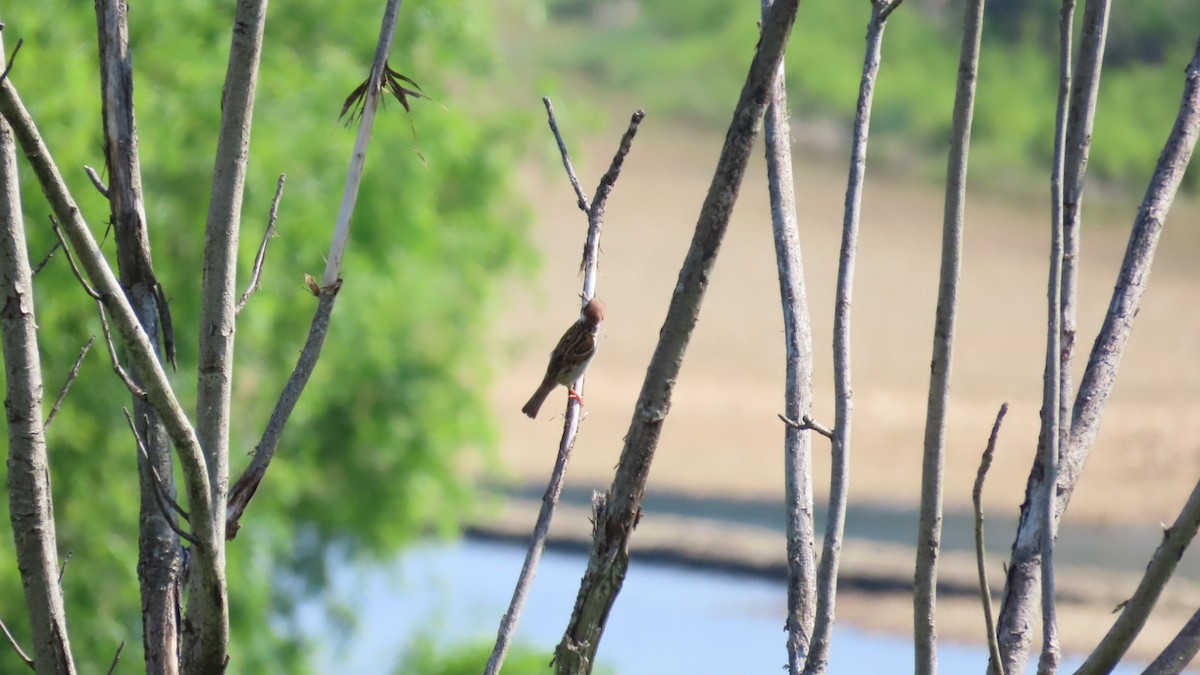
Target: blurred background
462 272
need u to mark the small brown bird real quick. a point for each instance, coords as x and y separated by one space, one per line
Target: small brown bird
570 357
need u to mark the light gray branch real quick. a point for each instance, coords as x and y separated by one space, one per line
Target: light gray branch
591 258
929 528
141 351
797 443
30 503
839 479
617 513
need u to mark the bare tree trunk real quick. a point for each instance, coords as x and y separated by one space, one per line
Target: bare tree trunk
617 514
160 557
29 501
929 536
797 401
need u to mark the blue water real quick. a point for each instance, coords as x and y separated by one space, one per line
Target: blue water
666 621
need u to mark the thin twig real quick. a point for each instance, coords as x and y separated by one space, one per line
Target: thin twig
71 375
96 182
808 423
160 493
112 355
12 59
256 273
985 590
116 657
581 198
71 260
541 528
1180 651
16 647
41 265
62 569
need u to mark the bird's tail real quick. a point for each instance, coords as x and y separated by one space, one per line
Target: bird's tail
539 397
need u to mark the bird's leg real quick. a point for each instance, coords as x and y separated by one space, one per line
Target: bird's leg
572 394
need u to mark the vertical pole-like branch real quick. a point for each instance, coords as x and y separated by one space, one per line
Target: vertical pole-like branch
1085 87
929 532
207 622
160 558
839 479
591 258
29 500
797 400
1016 613
618 512
1051 430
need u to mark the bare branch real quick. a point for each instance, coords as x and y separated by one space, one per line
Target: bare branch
827 570
87 288
243 491
929 534
12 59
797 445
809 424
16 647
116 657
30 502
71 375
341 232
160 491
62 569
616 519
580 196
96 182
326 292
44 261
112 356
1137 609
985 590
537 544
256 272
1180 652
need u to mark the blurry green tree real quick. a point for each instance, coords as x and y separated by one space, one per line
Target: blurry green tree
373 453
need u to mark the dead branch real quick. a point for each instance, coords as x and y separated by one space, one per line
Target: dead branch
929 529
256 271
985 589
12 641
71 375
581 197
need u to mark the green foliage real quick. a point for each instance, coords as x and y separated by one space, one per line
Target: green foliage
703 55
374 450
424 657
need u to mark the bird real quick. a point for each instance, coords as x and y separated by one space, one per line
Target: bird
570 357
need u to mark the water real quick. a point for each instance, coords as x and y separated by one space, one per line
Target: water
666 620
